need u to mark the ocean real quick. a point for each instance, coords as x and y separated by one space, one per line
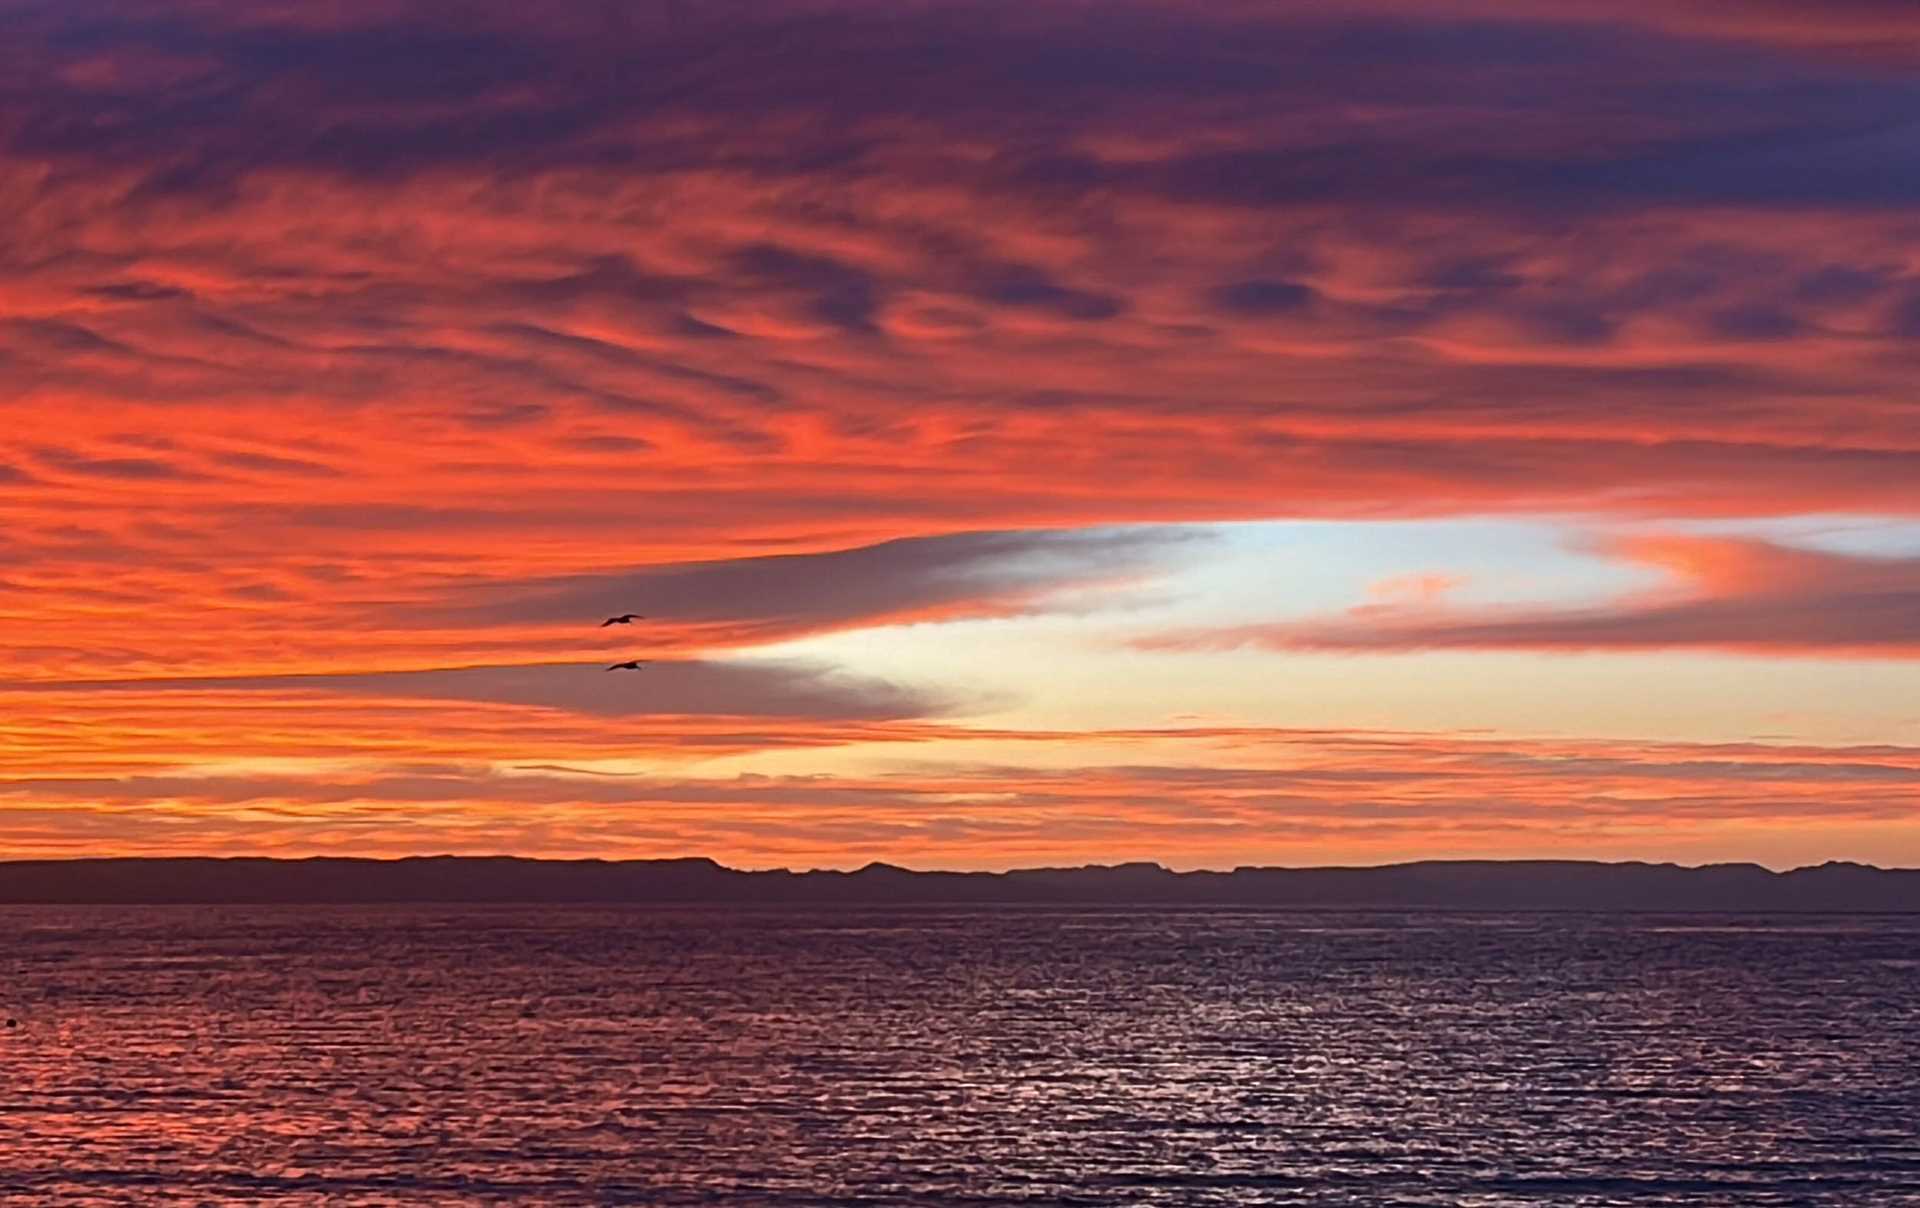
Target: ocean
578 1055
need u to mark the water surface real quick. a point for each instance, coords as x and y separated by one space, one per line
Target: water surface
1050 1057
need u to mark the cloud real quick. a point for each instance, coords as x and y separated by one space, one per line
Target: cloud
673 712
1725 594
1261 298
789 688
1212 797
757 600
372 336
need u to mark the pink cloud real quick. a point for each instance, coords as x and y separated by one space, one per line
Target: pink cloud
1726 594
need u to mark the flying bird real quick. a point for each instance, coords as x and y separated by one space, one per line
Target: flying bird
629 665
625 618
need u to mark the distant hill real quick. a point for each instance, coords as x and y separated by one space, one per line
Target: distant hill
1438 885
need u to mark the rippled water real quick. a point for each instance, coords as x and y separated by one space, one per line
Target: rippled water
574 1056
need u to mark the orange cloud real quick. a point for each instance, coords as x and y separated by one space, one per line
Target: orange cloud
1216 797
359 339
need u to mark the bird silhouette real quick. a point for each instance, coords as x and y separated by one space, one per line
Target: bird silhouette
629 665
625 618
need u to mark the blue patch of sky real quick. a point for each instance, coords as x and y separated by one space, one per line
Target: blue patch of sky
1286 570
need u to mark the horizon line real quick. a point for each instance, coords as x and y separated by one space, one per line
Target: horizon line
873 865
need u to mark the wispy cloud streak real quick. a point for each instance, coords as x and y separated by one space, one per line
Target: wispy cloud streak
1215 796
1725 594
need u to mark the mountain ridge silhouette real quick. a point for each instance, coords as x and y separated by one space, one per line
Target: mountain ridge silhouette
1431 884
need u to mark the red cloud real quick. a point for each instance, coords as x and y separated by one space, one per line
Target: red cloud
328 331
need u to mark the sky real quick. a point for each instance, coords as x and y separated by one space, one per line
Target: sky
1043 433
